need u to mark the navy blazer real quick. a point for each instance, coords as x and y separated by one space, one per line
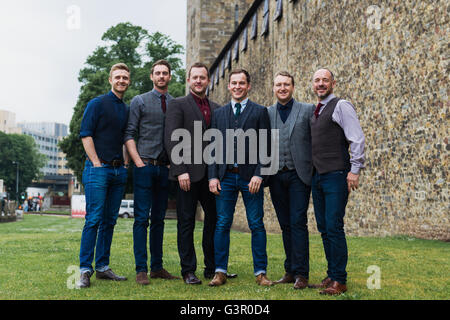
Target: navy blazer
254 116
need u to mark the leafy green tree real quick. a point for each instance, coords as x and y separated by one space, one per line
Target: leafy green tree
21 149
135 47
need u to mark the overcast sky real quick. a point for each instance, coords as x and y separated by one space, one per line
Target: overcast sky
44 44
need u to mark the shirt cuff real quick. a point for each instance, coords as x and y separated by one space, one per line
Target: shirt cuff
355 170
85 133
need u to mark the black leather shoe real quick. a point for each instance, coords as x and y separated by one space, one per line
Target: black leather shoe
190 278
109 275
85 280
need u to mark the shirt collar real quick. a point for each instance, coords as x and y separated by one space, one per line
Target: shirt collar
158 94
112 95
243 103
285 106
198 99
328 99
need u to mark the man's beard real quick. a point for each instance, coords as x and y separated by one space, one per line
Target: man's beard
326 94
161 87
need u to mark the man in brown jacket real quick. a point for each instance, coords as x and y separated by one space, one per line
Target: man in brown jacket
186 113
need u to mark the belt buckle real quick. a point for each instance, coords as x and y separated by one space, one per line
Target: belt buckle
116 163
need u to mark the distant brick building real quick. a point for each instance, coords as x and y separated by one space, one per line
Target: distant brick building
390 58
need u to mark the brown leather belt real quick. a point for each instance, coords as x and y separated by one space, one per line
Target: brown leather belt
233 170
154 162
114 163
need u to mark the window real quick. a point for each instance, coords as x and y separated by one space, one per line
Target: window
279 10
254 27
265 27
244 39
236 51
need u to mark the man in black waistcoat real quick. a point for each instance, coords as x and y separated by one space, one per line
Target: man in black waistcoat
334 130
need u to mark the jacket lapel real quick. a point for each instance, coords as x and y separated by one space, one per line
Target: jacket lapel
196 110
294 114
248 109
272 110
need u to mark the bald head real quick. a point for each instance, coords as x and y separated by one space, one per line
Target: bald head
323 83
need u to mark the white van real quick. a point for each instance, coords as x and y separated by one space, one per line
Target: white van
126 209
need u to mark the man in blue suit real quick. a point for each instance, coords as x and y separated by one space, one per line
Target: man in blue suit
227 178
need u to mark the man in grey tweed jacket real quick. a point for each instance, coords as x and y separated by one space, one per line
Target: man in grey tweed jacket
290 188
151 183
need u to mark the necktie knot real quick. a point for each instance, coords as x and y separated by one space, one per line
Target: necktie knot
316 112
238 109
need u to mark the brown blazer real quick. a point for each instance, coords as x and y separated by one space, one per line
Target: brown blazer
181 113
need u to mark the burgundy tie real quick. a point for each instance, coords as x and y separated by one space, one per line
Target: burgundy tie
316 112
163 103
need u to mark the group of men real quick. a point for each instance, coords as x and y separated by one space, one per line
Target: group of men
320 150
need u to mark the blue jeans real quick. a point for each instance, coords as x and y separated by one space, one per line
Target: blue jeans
290 198
104 188
151 192
231 184
330 194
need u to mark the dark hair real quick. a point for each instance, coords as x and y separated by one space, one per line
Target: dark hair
163 63
199 65
284 74
238 71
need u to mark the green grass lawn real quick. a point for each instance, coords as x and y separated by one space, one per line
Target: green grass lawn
39 258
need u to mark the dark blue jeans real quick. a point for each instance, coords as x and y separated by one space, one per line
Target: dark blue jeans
151 191
104 188
290 198
330 194
231 184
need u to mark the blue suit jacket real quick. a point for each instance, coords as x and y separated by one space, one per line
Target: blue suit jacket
254 116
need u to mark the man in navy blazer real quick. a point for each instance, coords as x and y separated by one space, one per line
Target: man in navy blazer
241 172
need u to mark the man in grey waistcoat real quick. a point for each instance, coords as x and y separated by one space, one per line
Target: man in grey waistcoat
151 182
290 187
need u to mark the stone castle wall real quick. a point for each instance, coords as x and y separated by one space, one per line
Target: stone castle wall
391 60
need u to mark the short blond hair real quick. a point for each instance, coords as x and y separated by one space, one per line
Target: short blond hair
284 74
119 66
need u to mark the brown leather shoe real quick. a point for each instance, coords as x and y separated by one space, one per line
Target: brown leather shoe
191 278
85 280
300 282
109 275
324 284
287 278
334 288
163 274
142 278
262 280
219 279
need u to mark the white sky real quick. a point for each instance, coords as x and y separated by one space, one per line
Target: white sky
42 50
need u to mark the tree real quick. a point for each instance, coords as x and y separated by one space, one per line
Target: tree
20 149
135 47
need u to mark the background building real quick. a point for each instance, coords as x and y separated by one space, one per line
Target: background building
8 122
47 135
390 59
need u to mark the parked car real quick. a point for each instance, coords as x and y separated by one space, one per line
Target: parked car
126 209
